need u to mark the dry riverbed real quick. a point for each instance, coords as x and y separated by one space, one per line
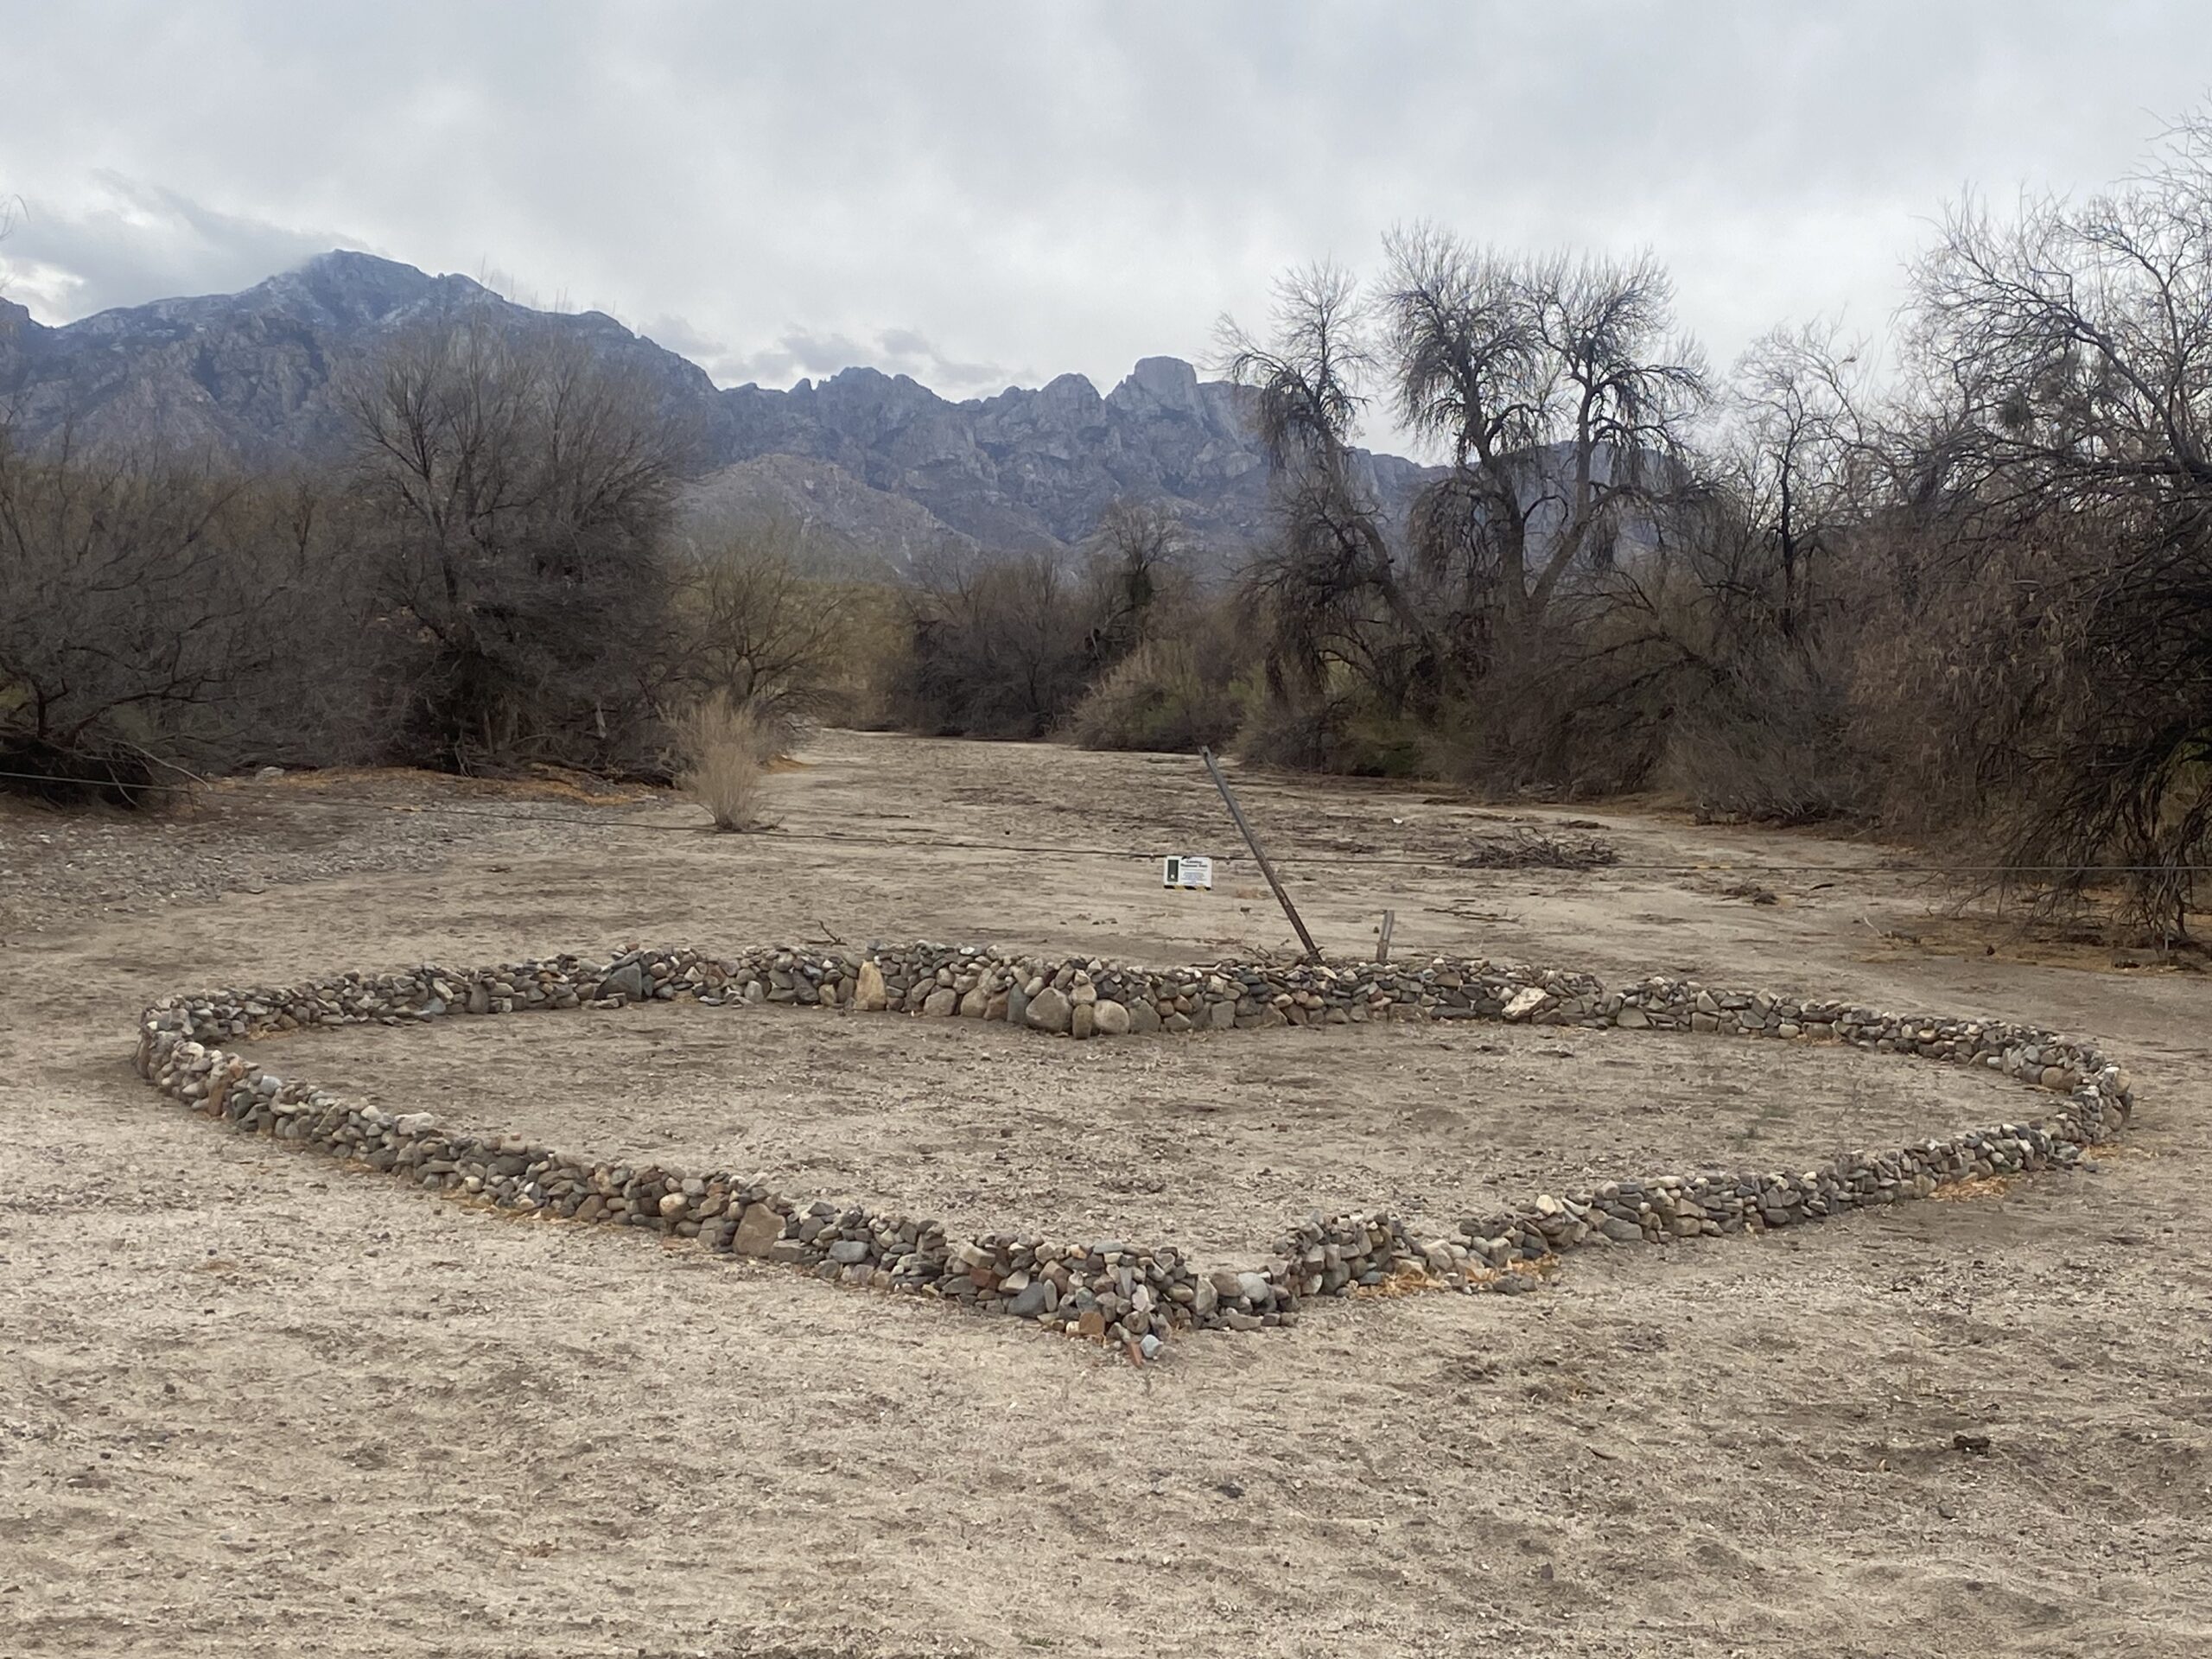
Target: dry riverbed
250 1402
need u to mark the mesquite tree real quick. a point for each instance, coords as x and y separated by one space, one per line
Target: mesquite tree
520 490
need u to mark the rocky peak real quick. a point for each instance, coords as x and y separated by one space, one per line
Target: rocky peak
1159 384
252 374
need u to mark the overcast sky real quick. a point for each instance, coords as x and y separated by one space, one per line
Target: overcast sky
982 195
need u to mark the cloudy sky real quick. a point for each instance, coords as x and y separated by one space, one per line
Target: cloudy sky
981 195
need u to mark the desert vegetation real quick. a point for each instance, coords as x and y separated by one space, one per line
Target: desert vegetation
1961 593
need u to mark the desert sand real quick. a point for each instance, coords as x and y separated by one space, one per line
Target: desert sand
250 1402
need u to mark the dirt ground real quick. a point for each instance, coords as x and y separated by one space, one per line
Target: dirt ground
1215 1143
251 1403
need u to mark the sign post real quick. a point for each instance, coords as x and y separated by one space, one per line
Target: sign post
1313 951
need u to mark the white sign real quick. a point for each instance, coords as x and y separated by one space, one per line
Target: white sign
1186 872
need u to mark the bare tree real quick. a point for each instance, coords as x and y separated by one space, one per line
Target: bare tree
521 487
994 647
1800 455
1328 588
158 617
1561 401
754 629
1139 553
2066 355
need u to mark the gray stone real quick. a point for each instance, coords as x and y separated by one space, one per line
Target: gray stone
941 1004
848 1251
627 982
1110 1019
757 1229
1049 1010
1523 1003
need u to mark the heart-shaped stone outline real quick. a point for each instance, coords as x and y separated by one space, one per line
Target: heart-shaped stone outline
1109 1288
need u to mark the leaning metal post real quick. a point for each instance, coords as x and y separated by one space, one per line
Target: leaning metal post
1313 951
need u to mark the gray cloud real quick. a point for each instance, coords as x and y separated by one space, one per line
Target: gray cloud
942 190
120 240
799 353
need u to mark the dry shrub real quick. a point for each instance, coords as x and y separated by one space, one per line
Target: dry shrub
1336 729
1532 849
1775 744
1159 697
725 750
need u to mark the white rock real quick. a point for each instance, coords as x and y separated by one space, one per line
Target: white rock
1524 1003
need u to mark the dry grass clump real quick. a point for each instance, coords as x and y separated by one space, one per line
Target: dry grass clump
727 748
1531 850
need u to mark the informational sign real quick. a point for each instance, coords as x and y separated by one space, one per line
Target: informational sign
1186 872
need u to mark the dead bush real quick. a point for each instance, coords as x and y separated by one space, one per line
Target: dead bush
726 749
1773 743
1338 728
1535 849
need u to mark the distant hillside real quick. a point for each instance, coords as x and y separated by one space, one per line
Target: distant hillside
886 464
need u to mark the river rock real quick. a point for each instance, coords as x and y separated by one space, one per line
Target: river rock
627 982
868 995
757 1229
1049 1010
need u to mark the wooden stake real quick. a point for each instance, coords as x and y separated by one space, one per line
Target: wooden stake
1382 946
1313 951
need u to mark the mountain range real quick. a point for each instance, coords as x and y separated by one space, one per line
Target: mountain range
877 464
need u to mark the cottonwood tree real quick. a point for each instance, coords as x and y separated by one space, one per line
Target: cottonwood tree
520 487
1562 398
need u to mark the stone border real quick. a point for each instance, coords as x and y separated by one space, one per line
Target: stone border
1109 1288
